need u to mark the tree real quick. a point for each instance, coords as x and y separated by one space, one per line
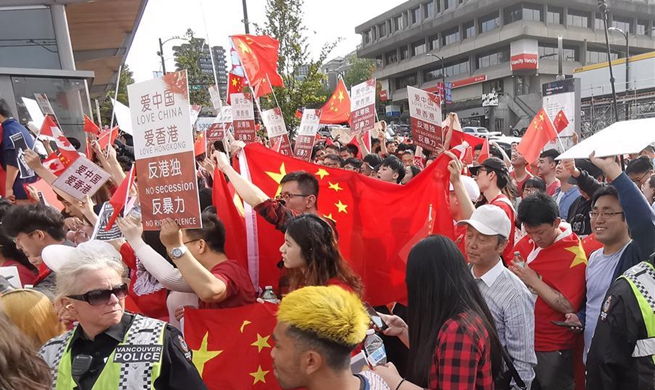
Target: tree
189 57
359 71
106 106
303 81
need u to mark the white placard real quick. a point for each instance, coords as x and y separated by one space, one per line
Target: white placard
242 107
99 232
35 112
215 97
309 122
44 104
362 95
11 274
123 117
274 122
81 178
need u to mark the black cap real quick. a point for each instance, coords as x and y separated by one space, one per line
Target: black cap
492 163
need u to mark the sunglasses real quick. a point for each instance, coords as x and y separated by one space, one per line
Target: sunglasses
101 297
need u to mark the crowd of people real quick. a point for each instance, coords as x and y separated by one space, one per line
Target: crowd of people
544 254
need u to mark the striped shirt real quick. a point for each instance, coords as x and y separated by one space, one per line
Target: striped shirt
512 307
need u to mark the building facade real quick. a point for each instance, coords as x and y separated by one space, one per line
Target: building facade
205 64
505 48
50 47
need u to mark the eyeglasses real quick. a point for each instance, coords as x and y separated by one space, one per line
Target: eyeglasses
190 241
16 239
603 214
286 196
101 297
638 181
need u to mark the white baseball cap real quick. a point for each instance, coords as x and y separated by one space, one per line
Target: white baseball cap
471 187
489 220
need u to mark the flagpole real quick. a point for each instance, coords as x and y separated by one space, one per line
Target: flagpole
113 110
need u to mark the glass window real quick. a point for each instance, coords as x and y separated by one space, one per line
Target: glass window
554 15
391 57
429 9
404 53
450 36
598 21
489 22
624 24
27 39
403 82
448 4
513 14
469 29
450 70
398 23
549 52
577 18
418 47
492 59
416 15
532 12
642 27
68 98
367 37
383 29
433 42
597 56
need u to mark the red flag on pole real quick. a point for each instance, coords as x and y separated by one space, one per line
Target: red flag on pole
67 152
560 122
90 127
117 200
108 138
539 133
259 56
337 108
235 84
200 145
48 126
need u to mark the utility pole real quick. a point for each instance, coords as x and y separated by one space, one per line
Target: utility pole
161 56
245 16
602 6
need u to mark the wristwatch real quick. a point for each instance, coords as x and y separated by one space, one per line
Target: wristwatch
178 252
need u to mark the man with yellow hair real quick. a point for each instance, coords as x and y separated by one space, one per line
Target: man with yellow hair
317 330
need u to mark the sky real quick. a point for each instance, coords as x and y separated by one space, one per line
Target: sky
325 21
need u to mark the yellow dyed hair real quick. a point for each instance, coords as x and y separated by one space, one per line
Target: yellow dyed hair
329 312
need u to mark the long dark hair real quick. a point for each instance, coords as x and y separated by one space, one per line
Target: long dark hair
439 287
319 248
7 246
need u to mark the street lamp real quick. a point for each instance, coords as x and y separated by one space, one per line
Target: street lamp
602 6
443 78
160 53
627 66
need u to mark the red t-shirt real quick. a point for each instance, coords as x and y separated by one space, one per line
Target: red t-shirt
26 276
460 238
552 187
520 184
240 290
504 203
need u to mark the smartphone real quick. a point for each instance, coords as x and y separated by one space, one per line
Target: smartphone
565 324
375 317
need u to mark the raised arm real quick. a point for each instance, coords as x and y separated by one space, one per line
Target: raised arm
249 192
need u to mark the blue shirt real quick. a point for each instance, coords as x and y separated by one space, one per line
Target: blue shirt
565 200
9 155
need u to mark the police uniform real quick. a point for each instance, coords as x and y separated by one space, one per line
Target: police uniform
139 353
622 353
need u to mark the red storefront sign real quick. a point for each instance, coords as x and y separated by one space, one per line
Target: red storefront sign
469 81
524 61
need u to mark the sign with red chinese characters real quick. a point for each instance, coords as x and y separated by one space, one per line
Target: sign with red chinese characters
81 178
221 125
243 117
44 104
425 118
362 107
163 147
277 131
307 134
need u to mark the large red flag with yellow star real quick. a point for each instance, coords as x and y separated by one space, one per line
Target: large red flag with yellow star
540 132
377 222
562 266
259 55
232 347
337 108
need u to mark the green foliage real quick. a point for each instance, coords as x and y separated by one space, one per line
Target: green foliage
187 57
359 71
303 80
106 106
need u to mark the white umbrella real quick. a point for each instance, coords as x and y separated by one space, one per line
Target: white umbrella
623 137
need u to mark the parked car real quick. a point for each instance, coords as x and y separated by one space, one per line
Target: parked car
480 131
402 130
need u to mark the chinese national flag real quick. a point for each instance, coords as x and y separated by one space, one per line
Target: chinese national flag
337 108
90 127
235 84
562 266
48 127
108 138
200 145
370 240
54 164
232 347
560 122
259 56
484 153
230 210
119 198
539 133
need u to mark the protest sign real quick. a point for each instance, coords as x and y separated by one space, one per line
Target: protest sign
81 178
307 134
362 106
20 146
243 117
277 131
195 112
99 232
10 273
282 145
425 118
222 123
163 145
215 97
35 111
44 104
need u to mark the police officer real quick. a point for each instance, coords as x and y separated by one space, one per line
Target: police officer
622 354
109 348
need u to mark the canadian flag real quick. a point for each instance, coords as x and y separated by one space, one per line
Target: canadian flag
54 164
49 127
66 150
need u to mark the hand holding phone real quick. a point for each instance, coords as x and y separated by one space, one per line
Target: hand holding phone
375 317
